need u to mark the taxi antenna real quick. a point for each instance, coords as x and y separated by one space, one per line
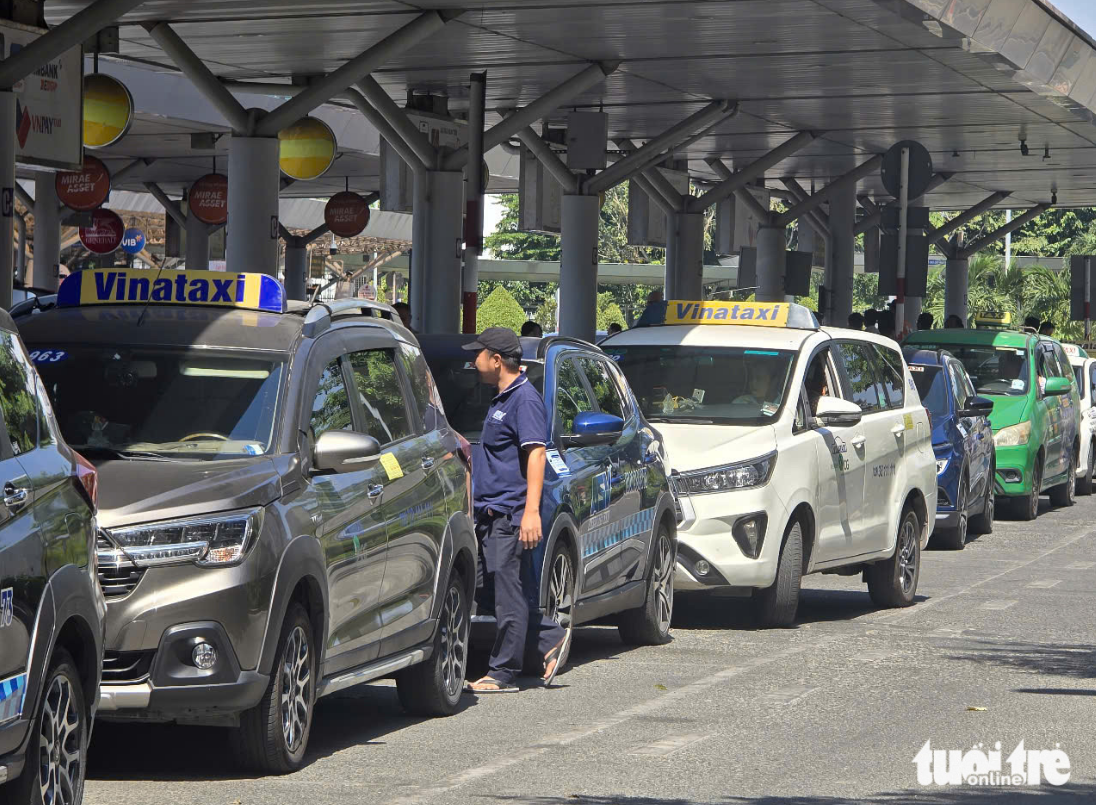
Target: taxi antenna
148 301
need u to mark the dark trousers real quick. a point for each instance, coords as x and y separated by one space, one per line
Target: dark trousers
507 580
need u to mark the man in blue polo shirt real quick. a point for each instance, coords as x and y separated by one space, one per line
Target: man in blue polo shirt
507 482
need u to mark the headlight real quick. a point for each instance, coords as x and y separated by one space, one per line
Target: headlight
1013 436
941 465
214 541
742 475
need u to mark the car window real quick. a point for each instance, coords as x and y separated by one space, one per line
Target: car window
1048 367
331 406
865 387
381 396
605 390
18 395
958 387
818 380
931 384
1064 366
892 373
422 387
571 397
1092 376
992 369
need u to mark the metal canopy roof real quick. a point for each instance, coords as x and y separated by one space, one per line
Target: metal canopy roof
968 78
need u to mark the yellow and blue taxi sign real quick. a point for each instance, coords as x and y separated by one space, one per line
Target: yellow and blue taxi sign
756 314
140 286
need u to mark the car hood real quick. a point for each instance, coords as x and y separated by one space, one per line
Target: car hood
1007 411
141 491
694 447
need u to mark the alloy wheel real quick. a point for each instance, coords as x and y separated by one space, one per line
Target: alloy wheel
907 555
60 752
296 689
664 581
454 641
561 586
962 523
1036 482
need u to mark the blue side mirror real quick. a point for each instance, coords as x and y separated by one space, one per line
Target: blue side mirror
591 429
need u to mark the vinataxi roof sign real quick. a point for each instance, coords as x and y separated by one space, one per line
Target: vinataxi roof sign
49 104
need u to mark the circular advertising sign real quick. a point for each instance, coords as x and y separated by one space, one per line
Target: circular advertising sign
208 199
108 110
85 189
346 214
105 234
133 241
306 149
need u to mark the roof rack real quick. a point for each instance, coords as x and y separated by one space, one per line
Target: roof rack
552 340
318 317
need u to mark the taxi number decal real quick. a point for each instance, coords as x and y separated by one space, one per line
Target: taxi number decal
391 466
555 460
48 355
7 608
908 420
882 470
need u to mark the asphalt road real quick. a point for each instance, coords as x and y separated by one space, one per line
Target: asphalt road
832 711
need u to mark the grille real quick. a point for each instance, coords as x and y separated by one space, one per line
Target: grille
125 667
117 575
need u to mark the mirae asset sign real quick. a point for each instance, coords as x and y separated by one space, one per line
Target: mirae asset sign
49 104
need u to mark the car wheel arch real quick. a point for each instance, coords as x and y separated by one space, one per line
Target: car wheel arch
803 514
564 528
301 564
914 499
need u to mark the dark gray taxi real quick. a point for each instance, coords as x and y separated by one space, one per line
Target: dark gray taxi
284 510
51 608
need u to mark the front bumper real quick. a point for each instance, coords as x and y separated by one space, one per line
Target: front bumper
705 535
1014 465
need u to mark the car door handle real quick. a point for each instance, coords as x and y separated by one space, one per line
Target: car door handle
858 441
428 463
899 431
375 490
15 497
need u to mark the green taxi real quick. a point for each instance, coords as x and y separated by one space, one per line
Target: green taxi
1036 409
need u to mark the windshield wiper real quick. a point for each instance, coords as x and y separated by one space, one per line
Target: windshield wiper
112 452
681 420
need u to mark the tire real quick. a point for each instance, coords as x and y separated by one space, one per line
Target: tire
433 688
776 605
1026 508
1085 485
893 582
649 625
560 605
983 523
1064 495
269 740
955 539
58 748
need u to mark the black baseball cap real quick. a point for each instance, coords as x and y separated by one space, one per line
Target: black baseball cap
497 339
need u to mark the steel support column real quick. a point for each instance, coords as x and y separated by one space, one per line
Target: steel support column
578 267
754 170
47 232
685 257
21 248
771 261
839 186
436 250
253 190
474 188
842 243
197 243
296 269
956 275
7 189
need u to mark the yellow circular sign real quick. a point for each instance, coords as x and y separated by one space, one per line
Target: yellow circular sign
108 110
307 149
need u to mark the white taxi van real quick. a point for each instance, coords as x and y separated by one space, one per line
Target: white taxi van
1084 369
795 449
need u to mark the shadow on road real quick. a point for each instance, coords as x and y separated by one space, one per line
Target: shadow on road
1077 661
706 611
960 795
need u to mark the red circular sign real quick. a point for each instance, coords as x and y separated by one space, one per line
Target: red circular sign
208 199
105 233
86 189
346 214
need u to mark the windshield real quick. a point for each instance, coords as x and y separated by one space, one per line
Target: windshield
992 370
465 399
932 386
697 385
162 402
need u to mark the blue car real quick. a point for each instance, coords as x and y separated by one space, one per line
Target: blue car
963 443
608 513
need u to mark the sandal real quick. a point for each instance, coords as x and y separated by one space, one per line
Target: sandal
555 659
488 684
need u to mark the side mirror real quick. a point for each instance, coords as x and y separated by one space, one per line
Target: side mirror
591 429
344 451
977 406
834 412
1057 386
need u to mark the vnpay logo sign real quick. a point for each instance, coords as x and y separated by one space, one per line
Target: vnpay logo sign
26 122
976 767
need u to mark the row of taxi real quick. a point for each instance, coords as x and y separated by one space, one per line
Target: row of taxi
220 505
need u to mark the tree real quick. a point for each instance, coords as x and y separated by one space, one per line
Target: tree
500 309
608 312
